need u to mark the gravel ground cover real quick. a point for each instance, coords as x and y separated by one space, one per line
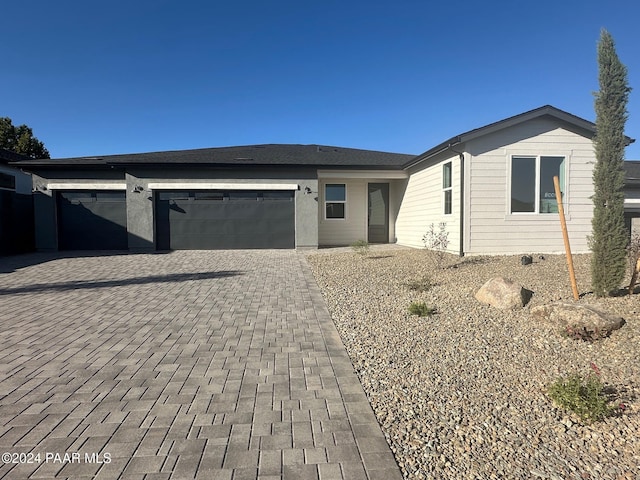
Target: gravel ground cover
461 394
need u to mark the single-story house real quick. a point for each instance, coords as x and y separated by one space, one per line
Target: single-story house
16 206
492 187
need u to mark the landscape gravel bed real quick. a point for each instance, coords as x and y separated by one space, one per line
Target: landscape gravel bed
462 393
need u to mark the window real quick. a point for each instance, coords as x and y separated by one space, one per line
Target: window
277 195
447 190
335 198
7 181
532 189
209 195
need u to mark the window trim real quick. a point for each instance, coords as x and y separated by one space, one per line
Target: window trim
326 202
538 161
448 189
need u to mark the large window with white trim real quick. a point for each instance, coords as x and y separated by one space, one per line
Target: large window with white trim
532 189
335 200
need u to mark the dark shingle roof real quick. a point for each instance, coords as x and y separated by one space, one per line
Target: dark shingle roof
7 156
264 155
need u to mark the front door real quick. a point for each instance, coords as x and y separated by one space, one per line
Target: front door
378 220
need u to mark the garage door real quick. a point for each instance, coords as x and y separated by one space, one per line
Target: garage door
92 220
230 219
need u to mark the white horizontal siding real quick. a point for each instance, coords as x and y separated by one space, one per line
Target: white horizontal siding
491 228
422 204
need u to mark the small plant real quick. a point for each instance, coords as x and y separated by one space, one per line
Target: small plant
582 395
421 309
361 247
438 241
581 333
421 284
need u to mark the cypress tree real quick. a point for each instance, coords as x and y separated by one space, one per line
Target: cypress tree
609 236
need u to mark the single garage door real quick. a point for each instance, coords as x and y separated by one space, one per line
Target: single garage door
92 220
229 219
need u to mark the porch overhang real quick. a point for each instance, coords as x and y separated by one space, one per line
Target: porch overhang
365 174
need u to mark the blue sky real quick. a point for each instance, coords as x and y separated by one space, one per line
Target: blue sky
98 78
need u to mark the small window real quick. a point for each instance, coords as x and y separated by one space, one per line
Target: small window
164 196
208 195
77 197
281 195
447 189
523 187
532 189
243 196
7 181
550 167
110 196
335 198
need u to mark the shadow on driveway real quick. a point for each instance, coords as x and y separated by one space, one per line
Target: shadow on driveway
80 284
11 263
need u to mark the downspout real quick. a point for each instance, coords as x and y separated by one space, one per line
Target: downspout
462 204
461 222
453 142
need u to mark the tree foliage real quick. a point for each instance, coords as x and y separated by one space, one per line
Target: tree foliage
20 139
609 236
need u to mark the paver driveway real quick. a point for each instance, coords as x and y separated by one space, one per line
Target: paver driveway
189 364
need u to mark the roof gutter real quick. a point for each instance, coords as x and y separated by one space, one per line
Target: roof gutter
443 147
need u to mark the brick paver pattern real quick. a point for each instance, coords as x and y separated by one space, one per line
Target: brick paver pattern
190 364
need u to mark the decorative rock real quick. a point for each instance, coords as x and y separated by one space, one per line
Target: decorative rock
526 260
436 387
586 322
502 293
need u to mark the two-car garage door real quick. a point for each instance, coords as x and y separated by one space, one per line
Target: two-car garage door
224 219
200 219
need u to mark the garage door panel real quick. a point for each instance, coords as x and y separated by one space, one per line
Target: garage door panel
225 220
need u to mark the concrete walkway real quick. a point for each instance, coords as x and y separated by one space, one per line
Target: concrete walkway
212 365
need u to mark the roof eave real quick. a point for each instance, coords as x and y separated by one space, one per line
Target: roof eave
567 117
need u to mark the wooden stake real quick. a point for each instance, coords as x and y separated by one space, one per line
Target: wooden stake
565 234
634 277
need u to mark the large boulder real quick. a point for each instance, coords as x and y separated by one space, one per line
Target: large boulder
502 293
579 321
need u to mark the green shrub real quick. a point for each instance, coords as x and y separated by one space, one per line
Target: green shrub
582 395
421 309
361 247
422 284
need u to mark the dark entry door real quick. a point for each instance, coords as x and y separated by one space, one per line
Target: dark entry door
378 213
92 220
230 219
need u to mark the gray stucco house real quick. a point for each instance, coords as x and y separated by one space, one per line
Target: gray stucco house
492 186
